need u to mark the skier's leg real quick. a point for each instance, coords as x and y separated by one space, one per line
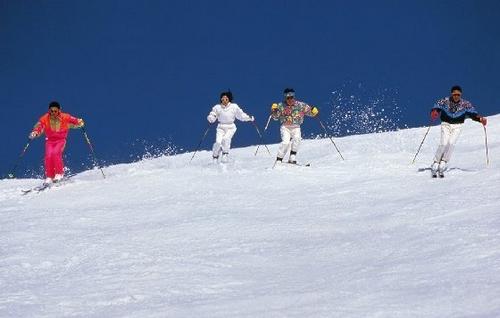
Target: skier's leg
455 130
443 144
226 140
49 160
58 159
296 139
219 133
285 141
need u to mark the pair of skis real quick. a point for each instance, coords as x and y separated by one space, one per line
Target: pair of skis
45 186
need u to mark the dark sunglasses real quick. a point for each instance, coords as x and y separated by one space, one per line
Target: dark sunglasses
456 94
54 111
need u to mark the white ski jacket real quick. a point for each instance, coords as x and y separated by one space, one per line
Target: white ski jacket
227 114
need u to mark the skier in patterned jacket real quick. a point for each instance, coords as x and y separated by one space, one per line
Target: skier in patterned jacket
55 124
226 112
291 114
452 111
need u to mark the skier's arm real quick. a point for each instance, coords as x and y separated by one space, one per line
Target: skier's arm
75 122
241 115
479 118
473 114
275 111
310 111
36 131
212 116
435 113
436 109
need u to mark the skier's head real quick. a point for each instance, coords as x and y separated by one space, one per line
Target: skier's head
54 104
456 88
54 108
456 93
289 96
289 93
228 94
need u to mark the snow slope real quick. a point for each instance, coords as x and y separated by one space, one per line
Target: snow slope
370 236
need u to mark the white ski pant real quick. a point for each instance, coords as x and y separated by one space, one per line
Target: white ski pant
290 136
449 136
223 136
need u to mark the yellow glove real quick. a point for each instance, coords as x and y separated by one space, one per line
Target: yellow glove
274 107
80 123
314 111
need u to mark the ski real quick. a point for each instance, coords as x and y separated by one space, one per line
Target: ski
299 164
291 164
437 174
46 186
36 189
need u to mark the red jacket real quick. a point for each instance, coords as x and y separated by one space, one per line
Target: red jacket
59 128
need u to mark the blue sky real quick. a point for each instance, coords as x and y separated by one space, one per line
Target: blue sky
148 72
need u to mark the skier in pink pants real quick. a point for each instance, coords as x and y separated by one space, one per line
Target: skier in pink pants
55 124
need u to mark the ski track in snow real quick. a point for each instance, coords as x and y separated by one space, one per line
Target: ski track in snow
371 236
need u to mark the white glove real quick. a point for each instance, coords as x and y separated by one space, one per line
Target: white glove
211 118
251 118
33 135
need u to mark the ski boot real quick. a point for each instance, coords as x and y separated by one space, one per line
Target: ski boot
292 159
58 178
434 169
278 162
442 168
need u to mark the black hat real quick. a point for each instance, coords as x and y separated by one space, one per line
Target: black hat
289 92
54 104
228 94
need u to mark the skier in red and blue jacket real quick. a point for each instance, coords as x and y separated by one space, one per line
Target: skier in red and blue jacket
452 111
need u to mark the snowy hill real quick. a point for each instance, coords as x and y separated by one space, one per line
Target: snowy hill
371 236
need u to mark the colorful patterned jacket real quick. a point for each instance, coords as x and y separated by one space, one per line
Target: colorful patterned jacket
455 113
292 115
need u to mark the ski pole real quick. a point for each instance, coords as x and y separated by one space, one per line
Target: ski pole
261 138
486 145
201 140
268 121
265 128
92 150
324 128
13 170
413 161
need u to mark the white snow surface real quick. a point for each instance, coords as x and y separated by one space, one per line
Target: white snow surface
371 236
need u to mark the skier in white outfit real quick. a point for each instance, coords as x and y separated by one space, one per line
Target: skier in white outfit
452 111
291 114
226 112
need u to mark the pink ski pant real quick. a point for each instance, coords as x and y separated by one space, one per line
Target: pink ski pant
53 157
